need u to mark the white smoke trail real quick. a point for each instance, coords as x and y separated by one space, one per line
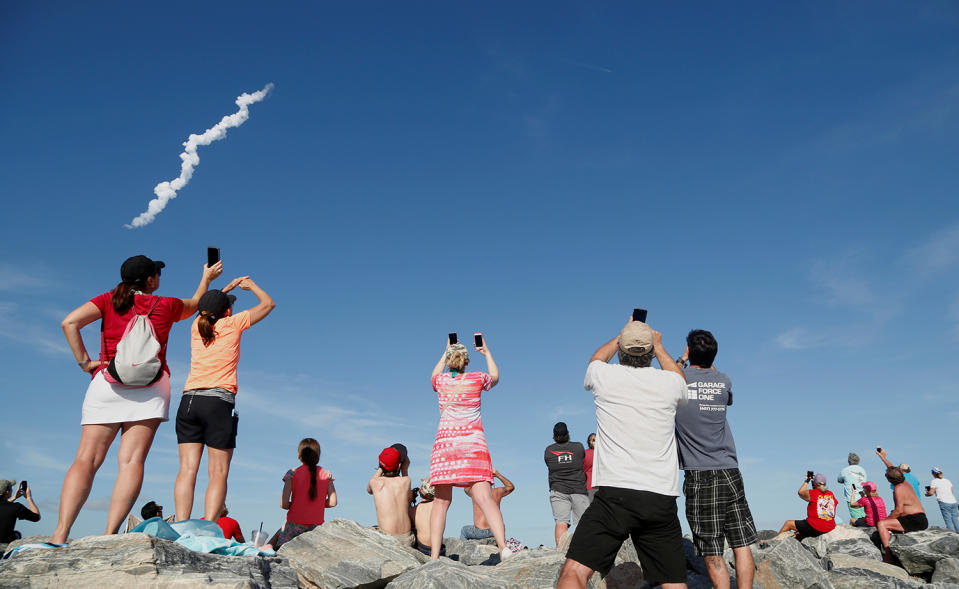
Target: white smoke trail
165 191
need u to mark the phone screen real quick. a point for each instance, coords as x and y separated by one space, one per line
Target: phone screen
478 340
23 486
639 315
212 255
453 339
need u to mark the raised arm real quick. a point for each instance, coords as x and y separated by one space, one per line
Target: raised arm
209 275
804 491
508 485
666 361
438 369
490 363
266 304
80 317
606 351
881 452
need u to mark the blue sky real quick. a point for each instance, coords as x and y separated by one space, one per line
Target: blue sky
781 175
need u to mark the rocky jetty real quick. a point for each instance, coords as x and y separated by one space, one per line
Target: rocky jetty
342 554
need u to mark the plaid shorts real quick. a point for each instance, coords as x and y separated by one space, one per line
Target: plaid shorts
716 508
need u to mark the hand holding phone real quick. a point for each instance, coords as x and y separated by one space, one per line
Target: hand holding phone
23 489
453 339
809 475
212 256
639 315
478 340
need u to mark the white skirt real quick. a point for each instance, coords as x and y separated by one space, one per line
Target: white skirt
119 403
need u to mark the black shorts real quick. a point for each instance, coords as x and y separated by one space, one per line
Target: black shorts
913 522
650 518
206 420
805 530
716 509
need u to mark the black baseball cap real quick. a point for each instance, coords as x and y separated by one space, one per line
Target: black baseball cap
139 268
560 429
216 302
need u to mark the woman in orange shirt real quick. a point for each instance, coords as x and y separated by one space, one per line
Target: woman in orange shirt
207 414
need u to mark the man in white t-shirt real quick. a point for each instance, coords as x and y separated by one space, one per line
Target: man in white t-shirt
942 490
635 464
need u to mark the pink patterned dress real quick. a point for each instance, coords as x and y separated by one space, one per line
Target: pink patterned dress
460 456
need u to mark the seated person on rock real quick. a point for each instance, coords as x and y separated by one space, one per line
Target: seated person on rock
230 527
480 529
871 503
11 510
820 513
908 515
151 510
420 516
392 496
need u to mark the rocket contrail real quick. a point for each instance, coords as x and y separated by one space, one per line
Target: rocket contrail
165 191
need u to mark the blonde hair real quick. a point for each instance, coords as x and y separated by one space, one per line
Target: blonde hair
457 357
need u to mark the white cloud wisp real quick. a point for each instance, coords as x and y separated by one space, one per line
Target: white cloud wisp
166 191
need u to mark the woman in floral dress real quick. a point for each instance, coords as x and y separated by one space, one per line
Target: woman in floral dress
460 457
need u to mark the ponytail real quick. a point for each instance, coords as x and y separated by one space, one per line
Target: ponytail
309 453
122 298
204 324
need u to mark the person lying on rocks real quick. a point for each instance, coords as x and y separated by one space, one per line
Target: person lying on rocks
481 529
392 496
420 516
872 504
820 513
908 515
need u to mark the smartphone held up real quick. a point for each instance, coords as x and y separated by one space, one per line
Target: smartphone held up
453 339
639 315
212 256
477 340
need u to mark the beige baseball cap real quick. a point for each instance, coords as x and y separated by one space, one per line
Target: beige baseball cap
636 339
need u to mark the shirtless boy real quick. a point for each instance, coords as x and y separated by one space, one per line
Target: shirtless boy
392 496
908 516
480 528
420 514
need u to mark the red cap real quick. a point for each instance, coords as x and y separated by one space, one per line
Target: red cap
390 459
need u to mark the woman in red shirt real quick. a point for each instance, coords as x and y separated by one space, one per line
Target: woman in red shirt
820 513
307 492
588 465
110 408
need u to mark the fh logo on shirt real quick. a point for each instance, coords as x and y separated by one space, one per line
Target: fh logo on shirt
562 457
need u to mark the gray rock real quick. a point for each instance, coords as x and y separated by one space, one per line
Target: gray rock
342 553
534 569
470 552
947 571
843 540
920 551
786 563
626 575
447 574
140 560
843 563
853 578
767 534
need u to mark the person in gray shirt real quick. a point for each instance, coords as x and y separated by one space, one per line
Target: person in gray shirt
716 506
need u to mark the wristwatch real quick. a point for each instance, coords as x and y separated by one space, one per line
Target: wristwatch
682 362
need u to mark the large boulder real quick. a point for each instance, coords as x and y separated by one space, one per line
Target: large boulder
947 571
920 551
530 569
868 579
447 574
843 540
471 552
852 565
139 560
342 554
786 564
